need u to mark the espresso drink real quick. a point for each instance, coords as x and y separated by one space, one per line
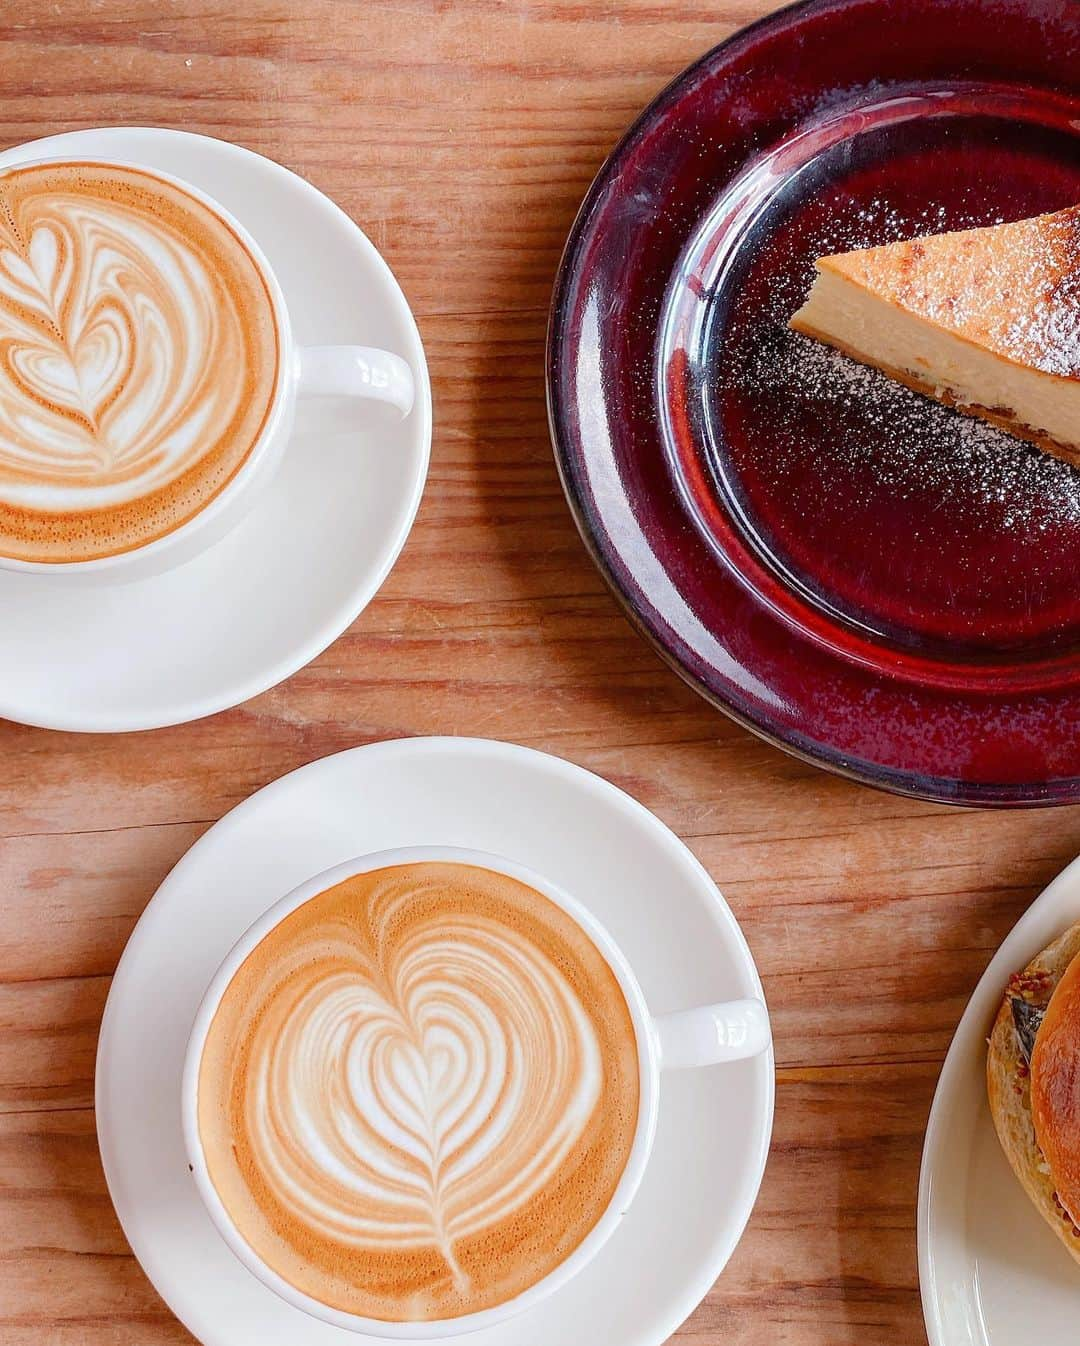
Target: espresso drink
138 359
419 1092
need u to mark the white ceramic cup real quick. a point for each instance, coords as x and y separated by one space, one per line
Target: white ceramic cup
380 382
708 1035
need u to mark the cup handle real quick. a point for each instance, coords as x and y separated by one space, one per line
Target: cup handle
712 1034
378 377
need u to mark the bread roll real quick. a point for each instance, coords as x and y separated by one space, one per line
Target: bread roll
1009 1084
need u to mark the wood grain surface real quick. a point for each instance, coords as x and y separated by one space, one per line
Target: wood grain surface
461 136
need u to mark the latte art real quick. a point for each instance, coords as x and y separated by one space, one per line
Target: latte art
138 358
425 1111
419 1092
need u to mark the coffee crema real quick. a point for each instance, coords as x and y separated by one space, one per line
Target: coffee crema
138 358
419 1092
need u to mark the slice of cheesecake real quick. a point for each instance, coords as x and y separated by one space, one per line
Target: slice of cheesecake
985 320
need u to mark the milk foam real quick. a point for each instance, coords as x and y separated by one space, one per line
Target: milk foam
408 1076
137 355
417 1101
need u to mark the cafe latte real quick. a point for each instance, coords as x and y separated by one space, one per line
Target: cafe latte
138 359
419 1092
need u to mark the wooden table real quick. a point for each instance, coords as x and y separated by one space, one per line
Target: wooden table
462 136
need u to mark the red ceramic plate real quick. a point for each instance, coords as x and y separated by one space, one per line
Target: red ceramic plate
867 579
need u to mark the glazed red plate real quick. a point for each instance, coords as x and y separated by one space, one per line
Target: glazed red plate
869 580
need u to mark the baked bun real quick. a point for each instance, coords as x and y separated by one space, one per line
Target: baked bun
1033 1080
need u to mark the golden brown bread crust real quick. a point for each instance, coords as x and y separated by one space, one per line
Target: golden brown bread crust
998 416
1055 1089
1009 1087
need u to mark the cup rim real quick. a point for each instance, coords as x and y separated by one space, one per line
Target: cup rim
629 1181
276 407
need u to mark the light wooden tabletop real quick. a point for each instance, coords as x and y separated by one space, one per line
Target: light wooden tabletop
461 136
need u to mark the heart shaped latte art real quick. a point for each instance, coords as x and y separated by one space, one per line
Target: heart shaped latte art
418 1101
110 330
419 1077
138 357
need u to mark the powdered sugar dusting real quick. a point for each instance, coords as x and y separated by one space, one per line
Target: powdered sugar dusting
1014 288
852 225
1046 333
912 444
1048 338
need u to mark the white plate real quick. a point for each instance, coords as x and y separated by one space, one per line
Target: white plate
300 568
584 834
992 1272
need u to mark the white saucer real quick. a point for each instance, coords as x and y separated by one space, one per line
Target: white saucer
315 548
991 1271
584 834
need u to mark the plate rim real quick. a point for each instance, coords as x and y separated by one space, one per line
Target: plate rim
904 781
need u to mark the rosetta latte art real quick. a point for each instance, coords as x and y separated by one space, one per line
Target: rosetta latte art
137 358
423 1081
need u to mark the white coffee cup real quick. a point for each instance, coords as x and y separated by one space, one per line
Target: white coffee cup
380 382
707 1035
